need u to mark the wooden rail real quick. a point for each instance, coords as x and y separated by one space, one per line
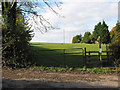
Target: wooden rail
98 51
88 54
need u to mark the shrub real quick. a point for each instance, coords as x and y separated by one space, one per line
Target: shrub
115 47
15 41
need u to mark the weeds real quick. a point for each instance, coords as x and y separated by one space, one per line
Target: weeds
97 70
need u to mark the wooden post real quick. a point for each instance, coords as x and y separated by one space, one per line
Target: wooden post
85 58
107 57
89 57
100 51
108 54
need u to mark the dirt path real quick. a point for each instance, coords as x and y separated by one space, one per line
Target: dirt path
45 79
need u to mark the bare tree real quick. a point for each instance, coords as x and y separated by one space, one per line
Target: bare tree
29 8
41 23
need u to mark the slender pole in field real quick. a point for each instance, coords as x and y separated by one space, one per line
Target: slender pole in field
64 58
100 49
64 43
63 36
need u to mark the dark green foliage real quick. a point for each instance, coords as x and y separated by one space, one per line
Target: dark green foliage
97 30
116 37
115 45
15 38
86 38
77 39
102 31
105 35
117 27
74 40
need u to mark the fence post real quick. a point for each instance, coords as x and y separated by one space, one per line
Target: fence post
85 59
89 57
107 57
100 58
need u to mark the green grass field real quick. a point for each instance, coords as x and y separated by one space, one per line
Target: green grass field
57 57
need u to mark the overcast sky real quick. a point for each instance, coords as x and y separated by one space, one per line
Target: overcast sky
79 16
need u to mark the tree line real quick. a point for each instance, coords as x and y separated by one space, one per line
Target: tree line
101 29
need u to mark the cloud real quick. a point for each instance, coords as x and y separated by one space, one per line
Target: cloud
50 36
79 16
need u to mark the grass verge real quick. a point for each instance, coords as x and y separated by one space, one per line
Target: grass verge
96 70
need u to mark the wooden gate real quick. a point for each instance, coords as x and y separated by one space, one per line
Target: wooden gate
98 59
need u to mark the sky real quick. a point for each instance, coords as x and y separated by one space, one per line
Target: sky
75 17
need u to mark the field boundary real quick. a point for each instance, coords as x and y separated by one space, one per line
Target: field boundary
86 55
100 55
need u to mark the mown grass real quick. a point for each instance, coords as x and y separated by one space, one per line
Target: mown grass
90 47
57 58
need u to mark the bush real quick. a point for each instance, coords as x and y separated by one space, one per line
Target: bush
15 42
115 47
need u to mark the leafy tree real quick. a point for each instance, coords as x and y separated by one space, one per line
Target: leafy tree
112 33
77 39
86 38
115 33
97 30
102 31
74 40
105 35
